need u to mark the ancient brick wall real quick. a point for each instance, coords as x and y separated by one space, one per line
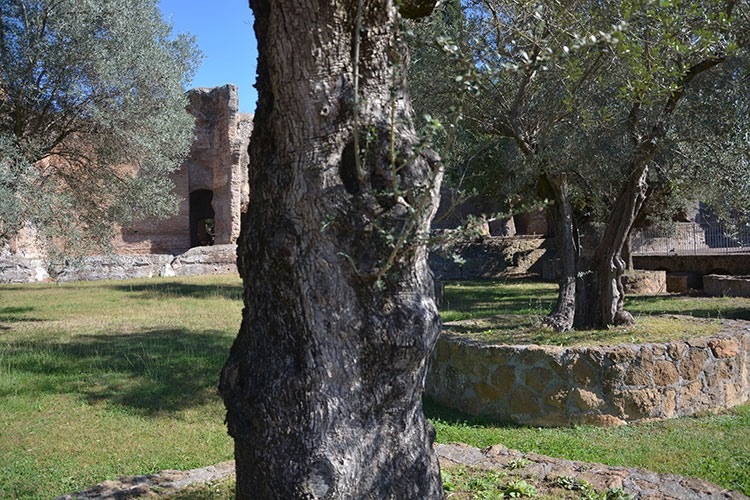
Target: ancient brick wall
217 163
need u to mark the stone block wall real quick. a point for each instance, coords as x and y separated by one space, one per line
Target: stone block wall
601 385
733 286
640 282
218 162
216 259
491 257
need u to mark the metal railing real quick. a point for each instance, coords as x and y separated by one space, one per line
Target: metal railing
690 239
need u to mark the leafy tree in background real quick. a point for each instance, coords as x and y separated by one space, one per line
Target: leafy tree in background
92 117
593 97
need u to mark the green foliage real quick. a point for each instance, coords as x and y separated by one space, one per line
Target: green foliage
92 117
518 463
590 88
511 311
572 483
519 489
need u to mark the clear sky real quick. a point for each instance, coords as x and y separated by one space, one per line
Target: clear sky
224 31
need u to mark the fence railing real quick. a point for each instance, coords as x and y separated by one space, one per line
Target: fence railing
690 239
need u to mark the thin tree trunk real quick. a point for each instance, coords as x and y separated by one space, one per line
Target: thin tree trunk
323 383
604 294
562 317
627 251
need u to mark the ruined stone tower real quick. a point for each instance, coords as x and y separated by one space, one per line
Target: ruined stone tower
211 183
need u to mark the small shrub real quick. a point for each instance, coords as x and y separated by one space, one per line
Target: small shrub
518 463
572 483
518 489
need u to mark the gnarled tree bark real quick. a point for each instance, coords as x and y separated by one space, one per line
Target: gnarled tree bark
323 383
562 317
608 262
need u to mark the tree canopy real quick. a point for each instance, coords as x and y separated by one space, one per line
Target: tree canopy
598 102
92 117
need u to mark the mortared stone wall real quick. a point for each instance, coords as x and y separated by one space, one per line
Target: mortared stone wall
600 385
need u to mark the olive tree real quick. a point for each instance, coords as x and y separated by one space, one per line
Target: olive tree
593 96
323 384
92 117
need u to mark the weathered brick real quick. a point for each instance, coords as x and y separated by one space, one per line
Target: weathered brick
583 373
689 392
721 369
523 400
637 403
538 378
558 397
676 350
443 349
670 403
620 354
587 400
601 420
486 392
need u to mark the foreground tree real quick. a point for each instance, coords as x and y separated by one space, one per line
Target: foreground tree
92 117
323 384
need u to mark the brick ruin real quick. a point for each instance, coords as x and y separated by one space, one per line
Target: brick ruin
211 185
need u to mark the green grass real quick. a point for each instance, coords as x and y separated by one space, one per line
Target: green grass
108 379
512 312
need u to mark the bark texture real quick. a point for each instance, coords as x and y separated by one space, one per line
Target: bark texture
323 383
562 317
604 294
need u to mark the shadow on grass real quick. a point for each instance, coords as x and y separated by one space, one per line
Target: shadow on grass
172 289
15 315
435 411
150 371
687 305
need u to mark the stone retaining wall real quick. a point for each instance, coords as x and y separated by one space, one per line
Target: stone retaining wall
491 257
640 282
216 259
602 385
733 263
733 286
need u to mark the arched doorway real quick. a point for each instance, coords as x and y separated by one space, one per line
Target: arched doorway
201 218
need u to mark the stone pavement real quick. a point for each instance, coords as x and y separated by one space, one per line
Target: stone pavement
641 483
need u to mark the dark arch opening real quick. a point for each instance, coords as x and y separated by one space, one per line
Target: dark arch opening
201 218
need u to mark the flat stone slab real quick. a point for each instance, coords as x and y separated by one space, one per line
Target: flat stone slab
156 485
641 483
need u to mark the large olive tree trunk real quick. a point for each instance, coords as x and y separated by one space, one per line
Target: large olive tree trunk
323 383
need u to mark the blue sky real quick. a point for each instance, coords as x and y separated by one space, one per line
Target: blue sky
224 31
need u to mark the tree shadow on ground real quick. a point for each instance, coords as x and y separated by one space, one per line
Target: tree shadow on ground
150 371
172 289
16 315
435 411
688 305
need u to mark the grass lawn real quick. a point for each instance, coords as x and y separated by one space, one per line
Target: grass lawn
107 379
511 312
